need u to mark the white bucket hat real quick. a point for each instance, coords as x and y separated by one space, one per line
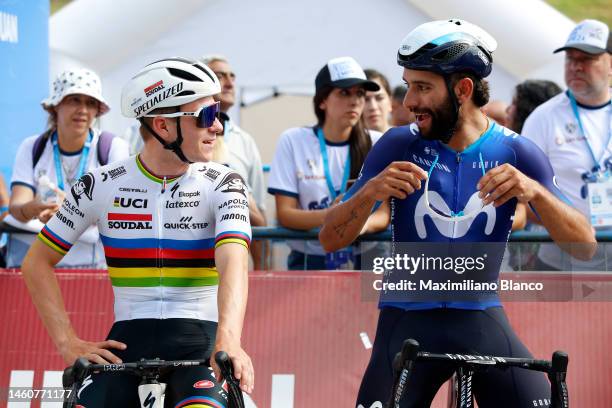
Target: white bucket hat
77 81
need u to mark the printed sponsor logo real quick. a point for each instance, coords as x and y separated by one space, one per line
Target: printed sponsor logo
238 217
204 384
232 183
113 173
67 221
130 202
129 221
173 189
158 98
182 204
185 224
189 194
234 203
210 173
132 190
84 185
72 209
156 87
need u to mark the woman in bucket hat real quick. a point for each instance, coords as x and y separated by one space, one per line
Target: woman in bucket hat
48 164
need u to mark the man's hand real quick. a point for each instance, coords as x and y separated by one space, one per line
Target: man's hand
241 362
398 180
96 352
504 182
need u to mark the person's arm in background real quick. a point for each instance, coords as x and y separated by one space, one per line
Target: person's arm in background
520 217
23 203
4 199
378 221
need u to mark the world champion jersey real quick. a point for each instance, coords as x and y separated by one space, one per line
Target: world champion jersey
159 236
452 190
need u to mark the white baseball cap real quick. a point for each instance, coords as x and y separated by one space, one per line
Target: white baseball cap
77 81
590 36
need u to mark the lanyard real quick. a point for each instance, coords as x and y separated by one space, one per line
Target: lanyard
58 160
581 127
347 167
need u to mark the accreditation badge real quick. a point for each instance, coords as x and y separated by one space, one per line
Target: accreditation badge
599 195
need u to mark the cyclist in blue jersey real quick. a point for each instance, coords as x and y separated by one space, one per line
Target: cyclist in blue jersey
454 177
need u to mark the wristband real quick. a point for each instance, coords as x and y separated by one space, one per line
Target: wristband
3 209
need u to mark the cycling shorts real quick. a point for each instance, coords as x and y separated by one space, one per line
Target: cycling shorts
167 339
480 332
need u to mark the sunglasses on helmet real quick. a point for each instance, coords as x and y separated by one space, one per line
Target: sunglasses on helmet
205 116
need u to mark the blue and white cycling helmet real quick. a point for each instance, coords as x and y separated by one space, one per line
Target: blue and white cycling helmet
448 46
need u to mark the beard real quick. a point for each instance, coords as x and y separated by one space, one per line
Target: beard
443 121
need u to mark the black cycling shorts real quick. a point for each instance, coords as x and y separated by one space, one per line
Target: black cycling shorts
481 332
167 339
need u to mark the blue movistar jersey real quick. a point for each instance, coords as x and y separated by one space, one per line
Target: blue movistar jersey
453 179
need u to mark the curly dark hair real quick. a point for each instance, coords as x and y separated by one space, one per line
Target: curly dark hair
529 95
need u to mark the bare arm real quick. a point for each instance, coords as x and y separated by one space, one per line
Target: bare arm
232 263
520 217
24 206
346 221
39 276
378 220
290 215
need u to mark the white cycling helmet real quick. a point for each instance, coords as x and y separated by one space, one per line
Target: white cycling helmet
448 46
165 83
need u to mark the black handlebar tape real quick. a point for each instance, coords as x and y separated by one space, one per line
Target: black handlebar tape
80 369
410 351
225 365
557 375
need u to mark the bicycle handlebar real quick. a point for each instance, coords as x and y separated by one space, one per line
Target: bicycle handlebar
74 375
556 369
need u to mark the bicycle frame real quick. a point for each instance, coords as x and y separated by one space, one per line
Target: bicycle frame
467 365
149 371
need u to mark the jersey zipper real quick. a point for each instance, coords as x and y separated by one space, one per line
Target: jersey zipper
160 258
456 191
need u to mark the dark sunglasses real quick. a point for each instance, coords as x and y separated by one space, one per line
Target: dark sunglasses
205 116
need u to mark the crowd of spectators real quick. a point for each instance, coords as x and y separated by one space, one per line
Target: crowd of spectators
314 165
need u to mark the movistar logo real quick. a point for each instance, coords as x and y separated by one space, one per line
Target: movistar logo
451 229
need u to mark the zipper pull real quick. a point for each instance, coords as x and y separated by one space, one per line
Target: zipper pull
458 157
164 185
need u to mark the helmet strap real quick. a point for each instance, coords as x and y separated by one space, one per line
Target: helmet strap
175 146
451 92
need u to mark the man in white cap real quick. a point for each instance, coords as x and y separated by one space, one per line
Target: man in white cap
575 127
48 164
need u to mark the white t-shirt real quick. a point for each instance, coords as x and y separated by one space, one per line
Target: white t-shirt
87 251
244 158
297 171
554 128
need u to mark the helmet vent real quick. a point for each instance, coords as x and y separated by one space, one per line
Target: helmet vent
204 71
188 76
185 93
451 53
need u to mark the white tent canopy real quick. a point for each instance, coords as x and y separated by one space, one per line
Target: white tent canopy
282 44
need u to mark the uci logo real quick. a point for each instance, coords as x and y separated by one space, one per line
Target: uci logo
130 202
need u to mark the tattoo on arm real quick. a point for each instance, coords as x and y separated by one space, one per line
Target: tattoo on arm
341 228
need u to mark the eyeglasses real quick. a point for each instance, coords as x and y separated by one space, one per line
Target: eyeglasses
205 116
452 217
